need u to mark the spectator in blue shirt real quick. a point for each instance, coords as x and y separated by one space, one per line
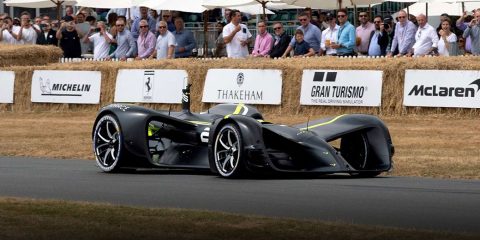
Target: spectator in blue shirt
312 34
345 44
185 40
152 23
301 48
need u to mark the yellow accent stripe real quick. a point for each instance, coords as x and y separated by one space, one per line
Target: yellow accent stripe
200 122
324 123
239 108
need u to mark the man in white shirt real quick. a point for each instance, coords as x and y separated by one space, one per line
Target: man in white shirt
329 35
236 36
165 46
6 34
426 38
101 41
26 33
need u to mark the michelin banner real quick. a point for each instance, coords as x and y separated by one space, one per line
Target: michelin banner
341 88
442 88
252 86
58 86
150 86
7 82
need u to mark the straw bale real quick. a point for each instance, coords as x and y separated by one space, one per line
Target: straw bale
292 69
28 55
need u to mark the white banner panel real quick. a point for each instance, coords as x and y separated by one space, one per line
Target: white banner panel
152 86
253 86
7 83
62 86
341 88
442 88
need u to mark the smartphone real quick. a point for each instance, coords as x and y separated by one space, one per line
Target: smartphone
244 30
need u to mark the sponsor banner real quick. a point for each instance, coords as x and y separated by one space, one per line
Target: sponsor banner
7 82
442 88
150 86
341 88
252 86
52 86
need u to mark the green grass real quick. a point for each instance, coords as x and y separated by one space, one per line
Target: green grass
31 219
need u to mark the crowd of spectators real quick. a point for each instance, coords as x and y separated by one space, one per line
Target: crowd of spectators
145 33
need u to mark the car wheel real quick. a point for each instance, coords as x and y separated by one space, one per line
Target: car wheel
108 143
228 152
355 149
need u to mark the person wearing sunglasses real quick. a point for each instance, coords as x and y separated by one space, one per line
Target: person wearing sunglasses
378 40
311 33
404 36
145 42
165 45
135 30
363 33
329 35
124 40
346 36
280 42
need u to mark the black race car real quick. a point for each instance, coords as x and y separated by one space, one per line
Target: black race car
234 140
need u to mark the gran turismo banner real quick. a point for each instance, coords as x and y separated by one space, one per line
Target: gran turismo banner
341 88
58 86
442 88
253 86
7 82
150 86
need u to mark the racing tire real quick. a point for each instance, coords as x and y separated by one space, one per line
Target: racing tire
108 144
228 152
355 149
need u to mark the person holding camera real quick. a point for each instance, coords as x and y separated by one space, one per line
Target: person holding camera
69 39
26 33
6 35
378 41
47 36
101 40
473 31
236 36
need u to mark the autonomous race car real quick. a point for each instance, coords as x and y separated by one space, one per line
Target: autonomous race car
233 140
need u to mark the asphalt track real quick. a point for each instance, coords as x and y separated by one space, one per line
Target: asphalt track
420 203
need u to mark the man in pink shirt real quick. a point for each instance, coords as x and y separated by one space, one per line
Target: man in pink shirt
146 41
263 42
363 33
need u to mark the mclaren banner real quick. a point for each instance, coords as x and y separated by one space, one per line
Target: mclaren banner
7 82
253 86
58 86
150 86
341 88
442 88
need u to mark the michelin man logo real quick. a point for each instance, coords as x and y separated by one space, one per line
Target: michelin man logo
45 87
240 79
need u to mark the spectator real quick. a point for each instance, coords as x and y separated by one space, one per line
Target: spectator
329 36
426 38
165 46
390 29
364 32
68 11
263 41
69 39
301 48
236 36
83 28
220 51
167 17
447 44
227 15
47 36
46 18
101 40
404 37
473 31
462 24
26 33
281 41
185 40
345 44
143 16
453 28
124 40
378 40
145 42
88 12
7 35
312 34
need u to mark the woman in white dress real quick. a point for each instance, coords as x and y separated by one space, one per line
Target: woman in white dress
447 45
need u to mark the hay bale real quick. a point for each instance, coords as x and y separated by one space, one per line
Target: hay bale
28 55
392 97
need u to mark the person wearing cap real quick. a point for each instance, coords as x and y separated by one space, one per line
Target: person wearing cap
404 37
69 39
329 35
363 33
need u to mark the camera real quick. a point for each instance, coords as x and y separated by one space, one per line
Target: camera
42 26
386 26
97 29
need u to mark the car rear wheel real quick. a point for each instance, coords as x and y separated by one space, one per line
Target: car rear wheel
108 143
228 152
